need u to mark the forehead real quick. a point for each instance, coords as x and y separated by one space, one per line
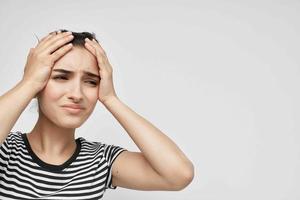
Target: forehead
77 59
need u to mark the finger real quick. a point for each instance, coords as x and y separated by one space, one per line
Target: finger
57 37
47 37
56 42
99 56
43 39
98 48
61 51
90 48
98 45
59 43
53 33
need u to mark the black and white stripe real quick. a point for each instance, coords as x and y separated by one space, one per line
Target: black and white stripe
86 175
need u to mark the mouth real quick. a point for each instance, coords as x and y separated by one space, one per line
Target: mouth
72 110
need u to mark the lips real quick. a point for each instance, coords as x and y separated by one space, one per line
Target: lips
74 106
73 109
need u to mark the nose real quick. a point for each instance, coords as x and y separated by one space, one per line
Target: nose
75 92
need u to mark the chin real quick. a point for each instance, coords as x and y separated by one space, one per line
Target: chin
70 122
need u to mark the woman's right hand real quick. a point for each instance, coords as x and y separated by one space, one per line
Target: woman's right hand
42 58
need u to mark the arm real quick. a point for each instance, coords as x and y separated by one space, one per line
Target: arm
37 70
12 104
160 165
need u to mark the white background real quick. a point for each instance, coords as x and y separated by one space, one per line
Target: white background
221 78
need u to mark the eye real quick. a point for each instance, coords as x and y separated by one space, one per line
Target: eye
60 77
92 82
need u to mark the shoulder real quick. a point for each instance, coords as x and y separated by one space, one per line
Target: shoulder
86 143
13 137
108 151
12 141
98 146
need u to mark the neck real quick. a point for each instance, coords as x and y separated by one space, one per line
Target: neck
49 139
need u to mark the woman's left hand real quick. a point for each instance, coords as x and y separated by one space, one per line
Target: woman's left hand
106 87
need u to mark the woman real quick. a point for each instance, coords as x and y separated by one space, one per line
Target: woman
68 73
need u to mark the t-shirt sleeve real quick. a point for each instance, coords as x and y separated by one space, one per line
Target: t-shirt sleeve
111 152
5 149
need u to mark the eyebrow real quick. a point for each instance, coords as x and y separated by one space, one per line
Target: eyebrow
70 72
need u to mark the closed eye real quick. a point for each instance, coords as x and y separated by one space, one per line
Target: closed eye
60 77
92 82
65 78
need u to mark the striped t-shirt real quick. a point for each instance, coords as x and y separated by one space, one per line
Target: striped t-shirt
85 175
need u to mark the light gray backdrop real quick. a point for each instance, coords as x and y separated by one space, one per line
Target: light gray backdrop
221 78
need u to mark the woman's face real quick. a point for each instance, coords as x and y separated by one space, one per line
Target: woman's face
74 87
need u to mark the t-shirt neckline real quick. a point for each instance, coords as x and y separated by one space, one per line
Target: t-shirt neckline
48 166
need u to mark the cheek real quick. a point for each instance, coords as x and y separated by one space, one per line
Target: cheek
53 91
92 95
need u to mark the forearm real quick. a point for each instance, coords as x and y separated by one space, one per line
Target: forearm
160 151
12 104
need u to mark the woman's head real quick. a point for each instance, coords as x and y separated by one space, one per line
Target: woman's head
74 80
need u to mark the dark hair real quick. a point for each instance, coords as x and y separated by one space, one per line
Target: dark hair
79 37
